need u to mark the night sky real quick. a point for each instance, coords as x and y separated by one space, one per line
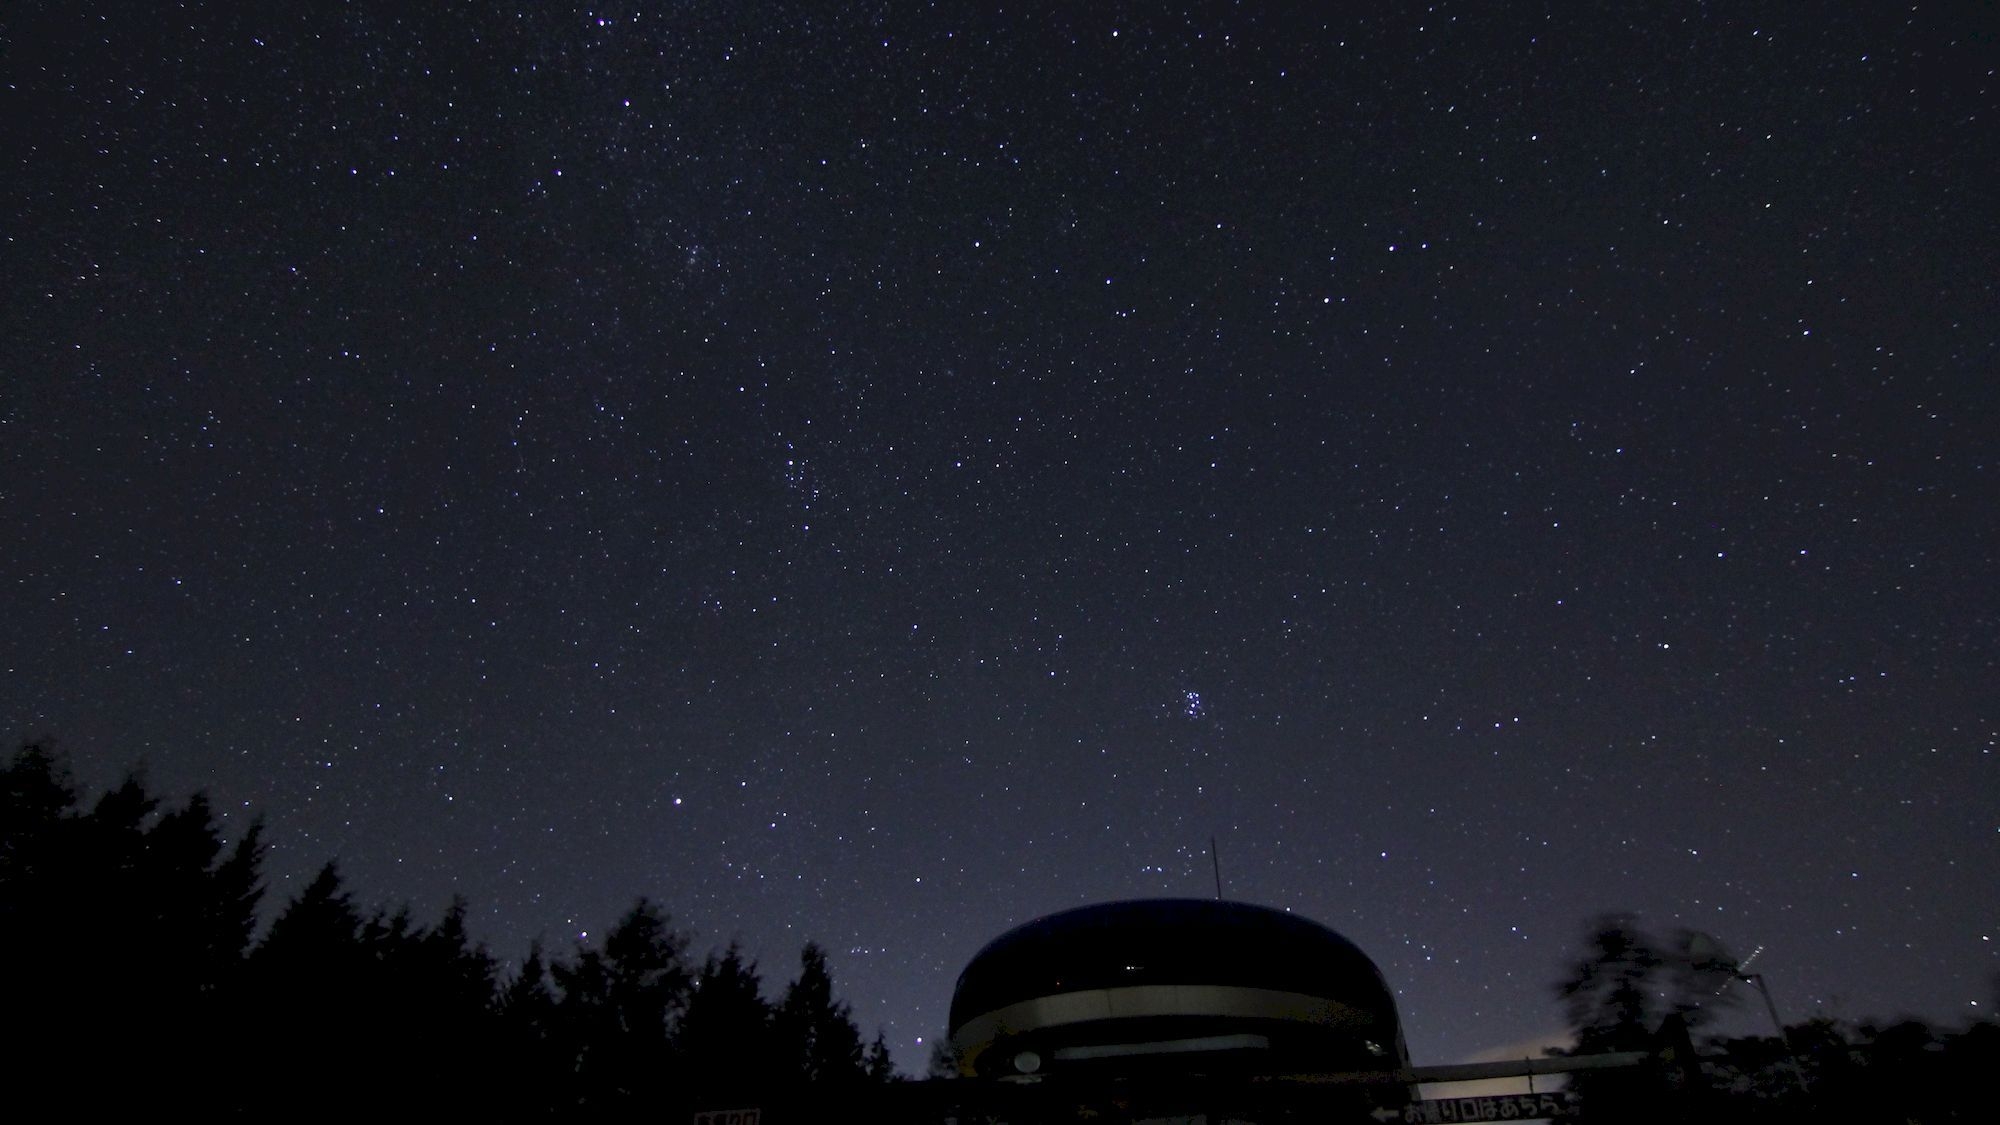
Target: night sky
880 473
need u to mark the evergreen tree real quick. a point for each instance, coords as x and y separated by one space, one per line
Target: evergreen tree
178 950
176 880
586 1028
321 924
876 1063
649 979
429 995
124 979
465 972
527 998
618 1010
308 983
36 796
534 1072
40 874
1610 995
1613 1001
456 986
818 1042
352 1013
943 1062
113 913
725 1038
121 813
38 830
153 926
46 885
235 891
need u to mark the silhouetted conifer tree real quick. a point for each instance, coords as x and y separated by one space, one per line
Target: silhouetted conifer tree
535 1071
818 1042
1613 1001
943 1062
176 875
36 793
618 1008
136 944
44 886
38 826
724 1039
527 997
585 1027
231 905
310 984
876 1063
319 926
134 924
396 1000
174 961
1610 995
454 981
649 975
139 926
465 969
114 909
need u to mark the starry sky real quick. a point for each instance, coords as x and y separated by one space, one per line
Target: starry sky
879 473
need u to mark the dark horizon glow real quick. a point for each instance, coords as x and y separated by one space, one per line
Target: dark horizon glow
880 477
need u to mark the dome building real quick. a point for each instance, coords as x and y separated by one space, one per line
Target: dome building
1187 986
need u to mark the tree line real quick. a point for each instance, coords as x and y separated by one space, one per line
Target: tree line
140 979
1635 990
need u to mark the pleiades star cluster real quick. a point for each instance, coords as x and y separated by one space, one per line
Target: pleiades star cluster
879 473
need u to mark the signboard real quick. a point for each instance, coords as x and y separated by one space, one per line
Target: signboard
1492 1107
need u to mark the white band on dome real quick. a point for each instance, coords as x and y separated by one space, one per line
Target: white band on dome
1150 1001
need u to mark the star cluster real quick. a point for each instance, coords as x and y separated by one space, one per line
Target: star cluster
881 473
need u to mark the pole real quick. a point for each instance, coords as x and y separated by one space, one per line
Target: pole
1784 1040
1216 859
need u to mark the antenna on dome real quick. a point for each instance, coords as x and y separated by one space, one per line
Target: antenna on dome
1216 858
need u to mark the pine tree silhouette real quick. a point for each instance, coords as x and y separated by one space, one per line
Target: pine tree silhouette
334 1012
310 981
876 1063
618 1009
535 1069
725 1040
818 1043
45 884
141 930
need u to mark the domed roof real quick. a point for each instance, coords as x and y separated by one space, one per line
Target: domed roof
1187 941
1223 965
